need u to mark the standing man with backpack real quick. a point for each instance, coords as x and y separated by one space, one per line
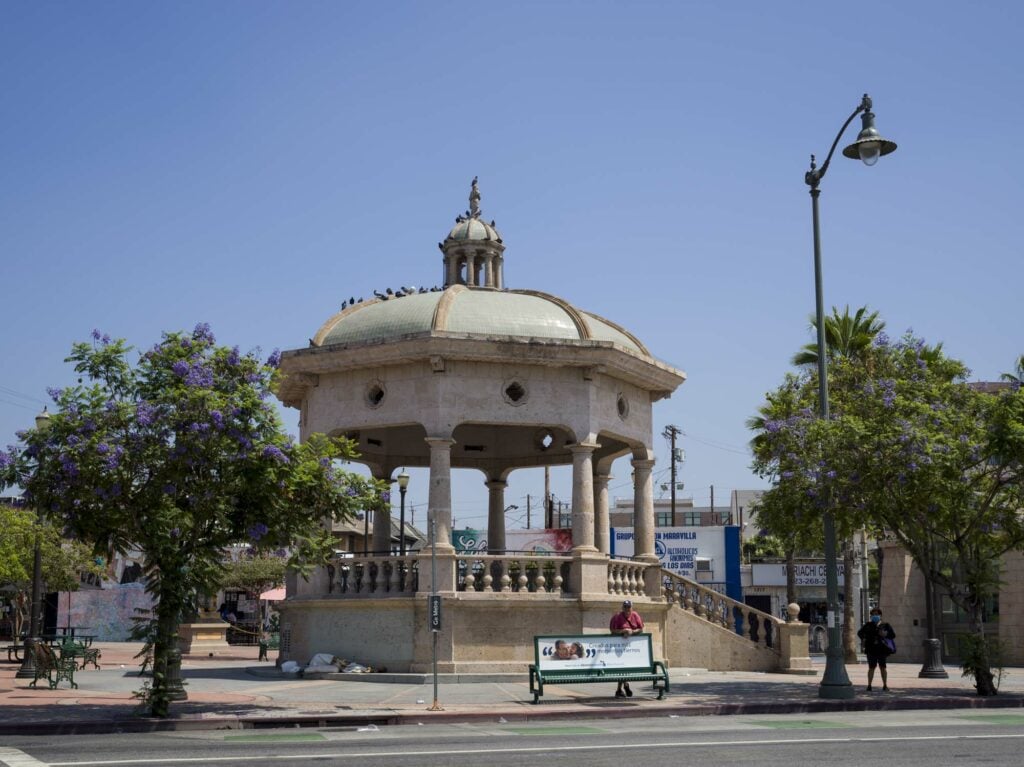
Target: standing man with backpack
879 643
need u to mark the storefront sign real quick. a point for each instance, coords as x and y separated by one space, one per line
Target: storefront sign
807 574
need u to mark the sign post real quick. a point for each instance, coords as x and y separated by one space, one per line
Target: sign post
434 604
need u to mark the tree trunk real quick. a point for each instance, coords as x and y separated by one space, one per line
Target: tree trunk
980 660
849 627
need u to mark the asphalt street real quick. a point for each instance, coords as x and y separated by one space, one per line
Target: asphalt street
897 739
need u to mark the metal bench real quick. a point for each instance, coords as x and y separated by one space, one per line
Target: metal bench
13 652
50 666
81 653
587 658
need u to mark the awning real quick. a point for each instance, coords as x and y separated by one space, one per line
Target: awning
274 595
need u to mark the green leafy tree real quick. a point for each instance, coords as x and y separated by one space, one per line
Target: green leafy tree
930 460
255 574
63 561
848 341
181 455
786 510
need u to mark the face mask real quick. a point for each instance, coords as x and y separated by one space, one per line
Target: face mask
876 618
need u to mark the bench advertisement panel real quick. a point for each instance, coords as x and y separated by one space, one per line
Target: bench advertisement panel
593 652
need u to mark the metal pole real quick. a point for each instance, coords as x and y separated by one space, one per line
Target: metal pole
433 591
835 683
401 523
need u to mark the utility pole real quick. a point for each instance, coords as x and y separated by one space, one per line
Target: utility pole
548 506
527 511
670 433
712 503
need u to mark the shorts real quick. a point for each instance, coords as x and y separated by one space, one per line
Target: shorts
876 659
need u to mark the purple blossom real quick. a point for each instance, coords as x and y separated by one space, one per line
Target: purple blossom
145 413
180 368
257 531
170 489
6 457
102 448
175 532
202 332
217 418
882 340
199 376
351 492
235 356
96 335
273 451
385 496
274 360
54 393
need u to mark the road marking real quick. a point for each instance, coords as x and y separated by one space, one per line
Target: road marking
995 718
12 757
282 737
539 749
800 724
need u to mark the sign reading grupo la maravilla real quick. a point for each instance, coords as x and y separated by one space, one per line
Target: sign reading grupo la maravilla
591 652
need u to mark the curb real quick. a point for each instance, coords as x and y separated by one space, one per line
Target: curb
517 715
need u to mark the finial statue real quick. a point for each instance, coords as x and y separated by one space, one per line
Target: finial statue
474 200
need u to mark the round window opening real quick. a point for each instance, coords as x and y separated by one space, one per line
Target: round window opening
514 393
375 394
622 405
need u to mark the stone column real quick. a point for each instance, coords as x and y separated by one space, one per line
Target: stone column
380 543
496 516
602 534
439 502
583 496
471 270
643 510
439 510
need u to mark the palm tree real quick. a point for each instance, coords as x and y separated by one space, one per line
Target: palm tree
1016 377
847 337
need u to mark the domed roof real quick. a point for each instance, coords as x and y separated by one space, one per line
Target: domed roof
468 228
471 311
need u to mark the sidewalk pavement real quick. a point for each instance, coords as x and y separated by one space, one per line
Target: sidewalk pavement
235 691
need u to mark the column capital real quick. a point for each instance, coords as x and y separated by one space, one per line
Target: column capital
496 484
642 463
439 441
583 447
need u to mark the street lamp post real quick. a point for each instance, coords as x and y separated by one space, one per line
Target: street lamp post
868 147
28 664
403 484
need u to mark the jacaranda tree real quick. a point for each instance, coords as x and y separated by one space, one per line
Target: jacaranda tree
180 455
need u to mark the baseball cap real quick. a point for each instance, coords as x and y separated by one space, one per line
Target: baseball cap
627 603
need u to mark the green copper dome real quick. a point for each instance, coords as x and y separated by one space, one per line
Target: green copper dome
471 311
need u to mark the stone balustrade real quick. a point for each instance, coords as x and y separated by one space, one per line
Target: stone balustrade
760 628
380 576
626 578
513 573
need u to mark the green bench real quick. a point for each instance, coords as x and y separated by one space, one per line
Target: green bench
80 652
270 642
52 667
588 658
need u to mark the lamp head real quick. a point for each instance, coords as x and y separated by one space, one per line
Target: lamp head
869 145
43 420
403 480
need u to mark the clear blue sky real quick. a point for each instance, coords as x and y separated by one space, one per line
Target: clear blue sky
253 164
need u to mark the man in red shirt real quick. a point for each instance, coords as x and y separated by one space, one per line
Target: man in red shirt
626 623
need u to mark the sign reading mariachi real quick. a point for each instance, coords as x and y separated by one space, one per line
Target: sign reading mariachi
807 574
591 652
